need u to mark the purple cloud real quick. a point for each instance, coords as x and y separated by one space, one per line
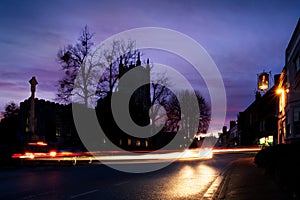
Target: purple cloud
242 37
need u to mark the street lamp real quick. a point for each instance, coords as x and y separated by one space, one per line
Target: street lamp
263 81
279 91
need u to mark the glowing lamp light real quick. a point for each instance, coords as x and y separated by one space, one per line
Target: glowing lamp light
270 139
263 81
279 91
262 140
263 86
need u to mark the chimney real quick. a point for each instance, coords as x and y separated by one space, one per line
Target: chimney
232 124
276 79
257 95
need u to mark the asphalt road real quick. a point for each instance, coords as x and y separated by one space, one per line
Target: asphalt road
179 180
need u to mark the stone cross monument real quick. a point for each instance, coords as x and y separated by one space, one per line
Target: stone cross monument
32 121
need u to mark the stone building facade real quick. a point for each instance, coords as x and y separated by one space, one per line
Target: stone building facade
289 92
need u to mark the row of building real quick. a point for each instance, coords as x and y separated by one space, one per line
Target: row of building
53 124
274 116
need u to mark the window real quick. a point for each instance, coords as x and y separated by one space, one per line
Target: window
297 120
297 63
296 114
58 132
287 126
128 141
138 143
288 129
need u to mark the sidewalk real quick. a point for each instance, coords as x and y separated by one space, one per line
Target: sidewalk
244 180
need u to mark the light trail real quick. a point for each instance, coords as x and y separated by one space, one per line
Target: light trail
237 149
120 157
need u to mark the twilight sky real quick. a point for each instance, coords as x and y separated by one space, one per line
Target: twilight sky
242 37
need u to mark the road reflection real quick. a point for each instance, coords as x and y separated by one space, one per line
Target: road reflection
186 179
190 181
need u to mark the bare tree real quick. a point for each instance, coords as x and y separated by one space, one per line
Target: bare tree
11 110
159 99
73 58
82 64
8 125
204 118
109 59
173 113
193 123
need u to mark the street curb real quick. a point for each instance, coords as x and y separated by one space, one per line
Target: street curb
221 192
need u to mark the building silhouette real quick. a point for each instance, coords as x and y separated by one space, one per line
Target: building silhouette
139 106
289 92
230 137
41 120
52 123
259 120
140 101
275 115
